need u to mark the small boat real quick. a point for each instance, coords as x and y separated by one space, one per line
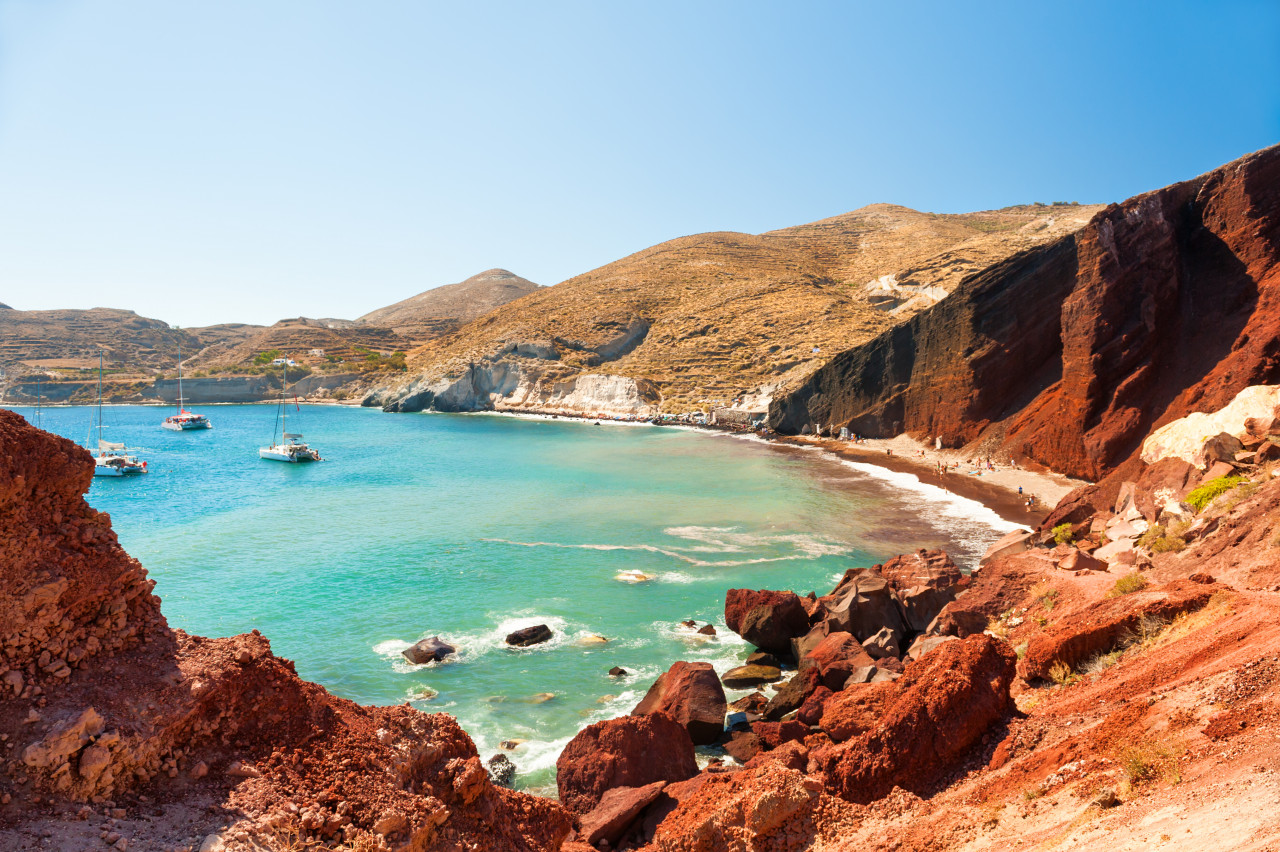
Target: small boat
184 420
290 447
111 458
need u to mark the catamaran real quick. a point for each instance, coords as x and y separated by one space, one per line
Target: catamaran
111 458
184 420
290 447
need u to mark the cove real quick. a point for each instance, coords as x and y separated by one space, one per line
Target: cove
470 526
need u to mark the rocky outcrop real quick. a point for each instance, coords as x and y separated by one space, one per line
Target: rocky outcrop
100 699
691 694
632 751
945 703
1068 354
1103 626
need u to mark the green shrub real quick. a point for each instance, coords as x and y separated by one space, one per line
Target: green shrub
1128 584
1162 539
1062 533
267 357
1211 490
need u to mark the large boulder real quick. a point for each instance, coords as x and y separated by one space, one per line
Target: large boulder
1220 448
862 604
431 650
836 659
535 635
691 694
936 712
766 619
923 583
631 751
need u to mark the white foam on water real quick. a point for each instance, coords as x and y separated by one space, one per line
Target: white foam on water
710 540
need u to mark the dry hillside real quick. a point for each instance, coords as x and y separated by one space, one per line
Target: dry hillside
708 318
441 310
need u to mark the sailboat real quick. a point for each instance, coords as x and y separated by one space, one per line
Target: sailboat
184 420
290 447
110 458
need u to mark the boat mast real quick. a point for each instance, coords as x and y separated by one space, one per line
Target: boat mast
39 419
179 370
99 400
284 409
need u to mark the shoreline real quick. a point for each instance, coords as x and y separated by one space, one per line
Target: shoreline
996 489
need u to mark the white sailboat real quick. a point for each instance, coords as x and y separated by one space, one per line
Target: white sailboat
110 459
184 420
290 447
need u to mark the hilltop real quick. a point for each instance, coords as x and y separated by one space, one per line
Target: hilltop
440 310
701 320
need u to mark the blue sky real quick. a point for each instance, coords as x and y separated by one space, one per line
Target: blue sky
248 161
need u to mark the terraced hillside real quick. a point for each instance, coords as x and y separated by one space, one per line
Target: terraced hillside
703 320
73 338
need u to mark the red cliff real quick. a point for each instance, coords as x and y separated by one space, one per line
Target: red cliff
1069 354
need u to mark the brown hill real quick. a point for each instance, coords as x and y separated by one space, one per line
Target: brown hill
73 338
296 338
441 310
1068 354
703 319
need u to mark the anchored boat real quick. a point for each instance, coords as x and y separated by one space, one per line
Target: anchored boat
184 420
110 459
290 447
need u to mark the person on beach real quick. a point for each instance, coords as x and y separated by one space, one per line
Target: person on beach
1019 489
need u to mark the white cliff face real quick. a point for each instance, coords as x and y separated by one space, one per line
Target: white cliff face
529 376
514 383
1185 437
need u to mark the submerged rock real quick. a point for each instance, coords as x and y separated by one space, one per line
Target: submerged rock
527 636
618 671
431 650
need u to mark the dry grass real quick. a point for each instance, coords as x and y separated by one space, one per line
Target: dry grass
1148 761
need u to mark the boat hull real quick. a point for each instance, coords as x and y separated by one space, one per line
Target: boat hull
272 454
186 426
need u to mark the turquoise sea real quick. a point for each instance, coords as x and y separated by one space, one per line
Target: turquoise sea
470 526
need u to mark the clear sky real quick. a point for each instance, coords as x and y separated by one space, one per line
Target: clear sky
248 161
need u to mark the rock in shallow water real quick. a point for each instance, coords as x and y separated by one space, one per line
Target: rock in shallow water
431 650
527 636
745 677
501 770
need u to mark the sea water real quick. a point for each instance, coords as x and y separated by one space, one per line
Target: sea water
471 526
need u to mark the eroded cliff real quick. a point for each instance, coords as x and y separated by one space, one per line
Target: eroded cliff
1069 353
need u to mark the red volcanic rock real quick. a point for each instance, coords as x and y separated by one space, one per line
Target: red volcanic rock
617 810
745 810
1070 353
691 694
1001 584
792 754
195 720
1100 626
836 659
793 693
628 752
863 603
923 582
766 619
774 734
743 745
857 709
943 705
811 711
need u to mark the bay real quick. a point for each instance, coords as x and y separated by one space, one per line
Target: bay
470 526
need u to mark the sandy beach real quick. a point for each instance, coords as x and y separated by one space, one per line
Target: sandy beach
1003 488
